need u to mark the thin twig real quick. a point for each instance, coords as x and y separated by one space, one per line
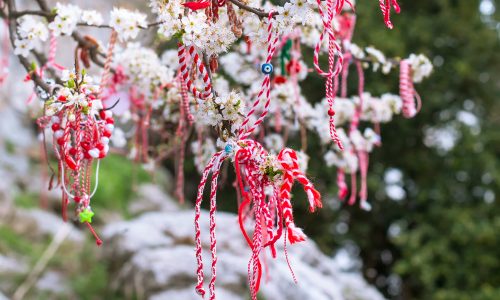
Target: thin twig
150 25
260 13
17 14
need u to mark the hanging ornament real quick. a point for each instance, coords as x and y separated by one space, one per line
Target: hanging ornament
334 65
81 130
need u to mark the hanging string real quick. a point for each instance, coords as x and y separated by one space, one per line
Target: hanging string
354 127
342 193
51 58
107 64
411 99
334 65
200 68
265 87
212 224
385 7
200 276
363 167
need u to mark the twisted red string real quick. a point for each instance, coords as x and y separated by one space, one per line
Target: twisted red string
334 65
106 74
265 87
254 265
210 166
200 68
385 7
411 99
213 240
51 58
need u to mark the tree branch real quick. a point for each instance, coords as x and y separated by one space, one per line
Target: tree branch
260 13
153 24
11 8
18 14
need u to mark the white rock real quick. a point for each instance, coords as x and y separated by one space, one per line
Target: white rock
44 222
9 265
152 198
2 297
52 282
190 294
171 269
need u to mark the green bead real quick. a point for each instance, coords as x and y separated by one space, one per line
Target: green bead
86 215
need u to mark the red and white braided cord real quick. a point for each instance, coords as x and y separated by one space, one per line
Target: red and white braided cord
254 266
269 220
385 7
185 102
200 68
265 87
200 276
294 233
354 126
334 66
359 108
411 99
107 64
51 58
213 209
289 161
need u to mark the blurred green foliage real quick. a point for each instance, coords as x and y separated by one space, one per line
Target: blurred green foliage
447 241
121 177
80 266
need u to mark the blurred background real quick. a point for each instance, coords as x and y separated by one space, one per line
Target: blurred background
433 232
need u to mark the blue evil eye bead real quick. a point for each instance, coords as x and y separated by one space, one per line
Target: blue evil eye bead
267 69
228 149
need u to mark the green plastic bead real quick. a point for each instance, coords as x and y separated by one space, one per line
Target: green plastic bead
86 215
